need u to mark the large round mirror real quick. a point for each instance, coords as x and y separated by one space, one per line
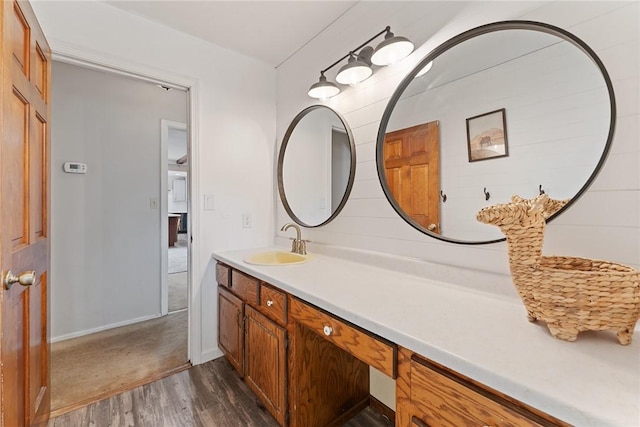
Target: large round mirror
508 108
316 166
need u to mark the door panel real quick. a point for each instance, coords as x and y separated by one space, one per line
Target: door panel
40 73
412 170
265 364
24 198
13 357
38 354
14 163
38 178
19 37
230 329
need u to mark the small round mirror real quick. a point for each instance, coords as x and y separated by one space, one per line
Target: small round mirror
316 166
513 107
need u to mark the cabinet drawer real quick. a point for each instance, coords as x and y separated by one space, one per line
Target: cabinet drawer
222 274
442 398
273 303
245 287
373 350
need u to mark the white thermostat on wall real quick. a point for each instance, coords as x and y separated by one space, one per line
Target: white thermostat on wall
75 167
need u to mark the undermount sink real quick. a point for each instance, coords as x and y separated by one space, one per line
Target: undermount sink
277 258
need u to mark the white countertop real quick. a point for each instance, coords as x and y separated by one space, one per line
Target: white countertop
593 381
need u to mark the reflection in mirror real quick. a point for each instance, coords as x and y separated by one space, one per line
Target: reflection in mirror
316 166
557 107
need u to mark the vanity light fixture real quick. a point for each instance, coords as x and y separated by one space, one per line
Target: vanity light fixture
358 68
323 89
392 49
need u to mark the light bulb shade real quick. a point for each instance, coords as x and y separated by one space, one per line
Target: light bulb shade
391 49
353 72
323 89
424 70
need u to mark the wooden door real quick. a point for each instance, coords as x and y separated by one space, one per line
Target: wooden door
265 367
230 330
412 169
24 201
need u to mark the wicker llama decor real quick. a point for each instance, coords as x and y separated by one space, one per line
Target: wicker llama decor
570 294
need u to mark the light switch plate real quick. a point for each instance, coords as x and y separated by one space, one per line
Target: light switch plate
246 220
209 202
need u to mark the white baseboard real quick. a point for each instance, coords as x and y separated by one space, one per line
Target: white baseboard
103 328
208 355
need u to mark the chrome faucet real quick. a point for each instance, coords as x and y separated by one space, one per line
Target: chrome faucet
298 246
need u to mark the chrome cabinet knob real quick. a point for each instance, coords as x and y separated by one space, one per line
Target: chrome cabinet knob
26 278
269 303
328 330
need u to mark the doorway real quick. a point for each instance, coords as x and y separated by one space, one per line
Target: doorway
175 174
109 331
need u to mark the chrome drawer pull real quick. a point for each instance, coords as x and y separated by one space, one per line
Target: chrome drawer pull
328 330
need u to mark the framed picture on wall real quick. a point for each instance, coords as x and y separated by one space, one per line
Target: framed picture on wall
487 136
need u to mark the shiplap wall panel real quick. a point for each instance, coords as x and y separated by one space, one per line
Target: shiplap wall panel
589 228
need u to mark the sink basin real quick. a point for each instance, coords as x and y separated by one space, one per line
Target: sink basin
277 258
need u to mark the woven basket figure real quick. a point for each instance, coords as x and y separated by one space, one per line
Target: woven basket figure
570 294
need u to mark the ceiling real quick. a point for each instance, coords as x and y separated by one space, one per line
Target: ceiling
270 31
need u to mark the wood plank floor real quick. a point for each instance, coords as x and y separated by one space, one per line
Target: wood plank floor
207 395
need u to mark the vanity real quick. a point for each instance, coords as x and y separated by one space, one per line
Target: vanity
303 336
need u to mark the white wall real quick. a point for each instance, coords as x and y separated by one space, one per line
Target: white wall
105 238
233 128
604 223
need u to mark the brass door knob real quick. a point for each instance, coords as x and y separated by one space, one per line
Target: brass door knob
26 278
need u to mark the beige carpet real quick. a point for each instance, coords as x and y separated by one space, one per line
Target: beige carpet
96 366
177 291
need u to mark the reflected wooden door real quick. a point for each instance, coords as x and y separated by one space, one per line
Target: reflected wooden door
24 189
412 169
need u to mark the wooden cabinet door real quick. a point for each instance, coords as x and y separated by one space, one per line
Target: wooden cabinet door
230 330
265 369
24 200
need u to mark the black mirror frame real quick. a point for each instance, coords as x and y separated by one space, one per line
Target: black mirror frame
352 166
475 32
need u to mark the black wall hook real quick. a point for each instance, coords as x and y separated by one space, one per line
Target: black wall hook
540 190
487 195
443 196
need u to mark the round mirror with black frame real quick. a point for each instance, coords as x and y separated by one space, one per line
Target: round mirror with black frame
514 107
316 166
